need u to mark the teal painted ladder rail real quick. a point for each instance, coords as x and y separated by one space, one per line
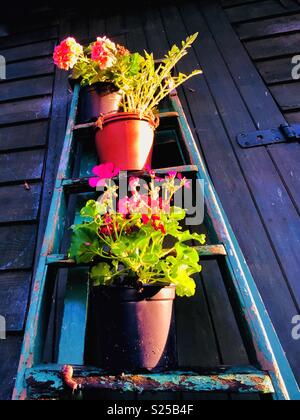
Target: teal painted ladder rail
272 373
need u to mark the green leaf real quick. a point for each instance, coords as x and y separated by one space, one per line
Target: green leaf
101 274
178 213
84 240
92 209
150 259
186 286
119 249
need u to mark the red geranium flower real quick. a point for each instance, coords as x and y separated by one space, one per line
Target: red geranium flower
145 219
66 54
103 53
122 50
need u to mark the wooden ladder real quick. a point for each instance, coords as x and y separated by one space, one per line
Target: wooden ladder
270 372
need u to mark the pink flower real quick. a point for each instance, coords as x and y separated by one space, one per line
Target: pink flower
172 175
123 206
185 181
103 53
159 180
66 54
103 172
134 183
150 171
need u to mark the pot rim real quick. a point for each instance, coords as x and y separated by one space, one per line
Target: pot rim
72 82
158 286
130 294
123 116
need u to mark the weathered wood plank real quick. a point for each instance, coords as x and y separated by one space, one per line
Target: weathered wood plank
32 21
79 27
57 127
25 110
19 203
28 51
22 166
293 117
73 330
227 175
232 347
261 9
226 380
10 350
97 26
23 136
230 3
205 252
26 88
269 27
276 46
196 341
30 68
16 246
276 71
28 37
287 95
14 292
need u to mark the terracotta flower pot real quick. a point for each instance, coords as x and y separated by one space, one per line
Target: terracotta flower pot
126 141
132 330
98 99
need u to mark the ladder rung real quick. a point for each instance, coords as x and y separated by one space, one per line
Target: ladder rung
49 381
84 126
170 114
81 185
162 116
206 251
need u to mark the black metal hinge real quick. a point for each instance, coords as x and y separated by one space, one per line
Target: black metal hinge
284 134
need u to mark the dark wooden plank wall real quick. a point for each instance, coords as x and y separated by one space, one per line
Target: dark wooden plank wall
270 31
30 106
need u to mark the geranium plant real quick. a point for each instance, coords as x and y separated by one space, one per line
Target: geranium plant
142 82
98 62
128 247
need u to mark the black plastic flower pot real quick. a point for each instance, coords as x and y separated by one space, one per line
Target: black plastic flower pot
130 330
98 99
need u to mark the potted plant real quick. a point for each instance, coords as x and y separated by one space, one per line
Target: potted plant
139 260
126 138
124 90
94 67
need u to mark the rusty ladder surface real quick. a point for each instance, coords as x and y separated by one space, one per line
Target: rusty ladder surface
270 372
